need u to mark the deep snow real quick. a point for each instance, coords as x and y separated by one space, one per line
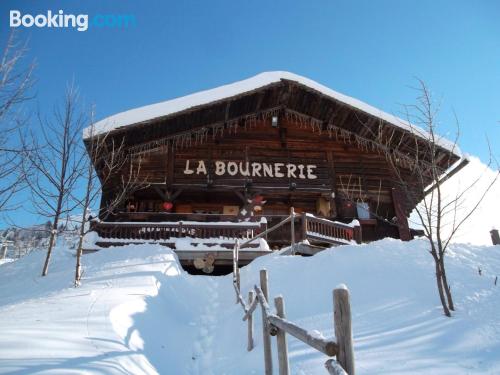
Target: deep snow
138 312
476 229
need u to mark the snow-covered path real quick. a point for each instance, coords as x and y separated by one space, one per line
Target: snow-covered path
138 312
45 321
203 347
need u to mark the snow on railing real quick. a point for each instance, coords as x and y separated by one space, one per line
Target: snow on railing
157 231
330 231
314 228
276 324
311 228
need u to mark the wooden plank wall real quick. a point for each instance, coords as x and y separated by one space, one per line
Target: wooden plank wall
347 171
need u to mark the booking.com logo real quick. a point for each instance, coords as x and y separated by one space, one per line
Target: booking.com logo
80 22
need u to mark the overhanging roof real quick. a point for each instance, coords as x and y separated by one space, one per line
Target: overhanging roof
204 98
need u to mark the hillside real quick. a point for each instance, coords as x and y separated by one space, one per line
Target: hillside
139 312
476 229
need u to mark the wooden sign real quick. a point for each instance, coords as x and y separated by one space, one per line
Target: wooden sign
252 169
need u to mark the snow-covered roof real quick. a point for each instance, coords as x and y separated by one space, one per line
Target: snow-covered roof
150 112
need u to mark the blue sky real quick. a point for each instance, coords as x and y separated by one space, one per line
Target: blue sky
372 50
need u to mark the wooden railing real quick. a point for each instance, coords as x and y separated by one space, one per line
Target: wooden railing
276 324
3 251
310 228
329 231
14 250
168 230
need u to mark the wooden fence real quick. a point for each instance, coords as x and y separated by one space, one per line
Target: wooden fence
168 230
3 250
14 250
276 324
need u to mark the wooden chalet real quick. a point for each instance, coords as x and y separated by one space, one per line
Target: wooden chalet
232 161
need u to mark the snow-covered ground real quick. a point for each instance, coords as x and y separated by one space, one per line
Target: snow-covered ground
138 312
6 260
476 229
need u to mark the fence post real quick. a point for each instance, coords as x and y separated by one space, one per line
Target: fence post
304 226
358 234
238 282
4 251
343 328
266 337
251 296
284 367
179 229
495 237
264 283
333 367
236 273
292 230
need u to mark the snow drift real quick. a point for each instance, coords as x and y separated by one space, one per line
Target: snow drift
139 312
476 229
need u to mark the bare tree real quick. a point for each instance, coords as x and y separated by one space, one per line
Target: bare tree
421 177
111 157
53 164
15 83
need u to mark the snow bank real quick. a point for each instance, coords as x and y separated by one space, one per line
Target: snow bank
6 260
91 239
169 107
477 228
138 312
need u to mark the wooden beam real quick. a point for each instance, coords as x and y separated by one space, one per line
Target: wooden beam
228 107
251 300
175 194
169 180
160 192
343 329
342 117
334 368
259 101
332 176
367 127
251 307
399 208
495 237
323 345
284 366
242 197
282 133
266 337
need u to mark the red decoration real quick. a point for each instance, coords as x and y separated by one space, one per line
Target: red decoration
167 206
258 199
